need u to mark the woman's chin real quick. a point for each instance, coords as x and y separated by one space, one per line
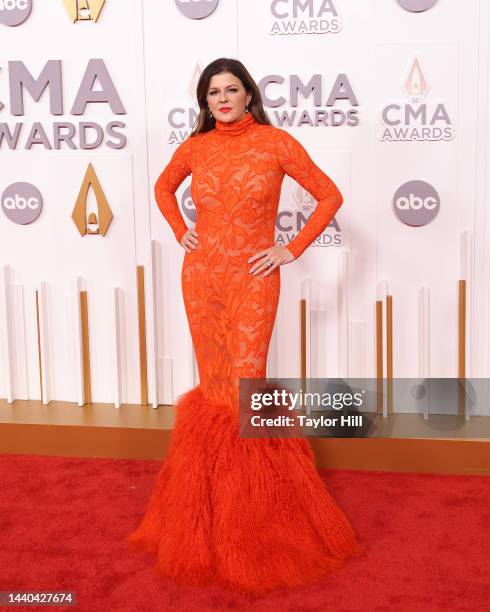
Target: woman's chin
231 116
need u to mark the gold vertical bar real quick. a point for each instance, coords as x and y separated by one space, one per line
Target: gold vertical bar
303 345
87 389
379 356
389 352
142 336
39 346
303 337
462 345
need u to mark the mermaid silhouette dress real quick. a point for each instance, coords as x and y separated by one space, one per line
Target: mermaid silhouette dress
248 513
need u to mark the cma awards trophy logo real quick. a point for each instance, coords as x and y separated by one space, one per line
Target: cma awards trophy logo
418 119
416 203
95 222
290 222
84 10
14 12
304 17
196 9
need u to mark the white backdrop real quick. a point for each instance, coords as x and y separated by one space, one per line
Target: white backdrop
154 52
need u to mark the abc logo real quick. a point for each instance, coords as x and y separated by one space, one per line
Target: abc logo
14 12
196 9
22 203
416 203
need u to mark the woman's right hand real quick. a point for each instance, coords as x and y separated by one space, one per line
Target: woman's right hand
189 240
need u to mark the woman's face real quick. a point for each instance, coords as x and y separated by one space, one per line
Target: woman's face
226 91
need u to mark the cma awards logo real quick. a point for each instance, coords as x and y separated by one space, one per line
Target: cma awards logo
290 222
416 203
291 90
196 9
417 119
96 87
91 222
304 17
181 118
84 10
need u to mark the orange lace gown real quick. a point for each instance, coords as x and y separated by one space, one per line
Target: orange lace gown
250 513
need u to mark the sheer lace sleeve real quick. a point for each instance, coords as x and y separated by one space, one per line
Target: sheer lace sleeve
297 164
167 184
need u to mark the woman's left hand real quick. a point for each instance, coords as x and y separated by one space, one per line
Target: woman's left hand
270 258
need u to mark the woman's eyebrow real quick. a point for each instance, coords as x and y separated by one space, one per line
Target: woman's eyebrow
232 85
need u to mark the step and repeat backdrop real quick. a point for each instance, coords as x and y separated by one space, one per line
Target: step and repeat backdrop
390 98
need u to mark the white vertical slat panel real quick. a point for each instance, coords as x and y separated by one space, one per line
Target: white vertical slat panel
166 368
151 318
114 298
21 381
6 322
343 313
424 341
71 361
466 272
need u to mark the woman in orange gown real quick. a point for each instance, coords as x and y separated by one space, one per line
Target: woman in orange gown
249 513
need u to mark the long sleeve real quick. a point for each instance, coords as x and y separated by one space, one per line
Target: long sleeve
297 164
167 184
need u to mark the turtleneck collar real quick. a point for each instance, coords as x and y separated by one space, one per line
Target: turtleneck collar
233 128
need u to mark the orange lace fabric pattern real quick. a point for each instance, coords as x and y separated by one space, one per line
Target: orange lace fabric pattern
237 172
238 180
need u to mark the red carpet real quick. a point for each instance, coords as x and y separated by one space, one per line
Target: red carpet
63 522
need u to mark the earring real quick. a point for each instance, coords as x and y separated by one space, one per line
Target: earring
246 108
210 113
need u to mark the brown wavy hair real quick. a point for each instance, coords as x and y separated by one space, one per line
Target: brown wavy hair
205 121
